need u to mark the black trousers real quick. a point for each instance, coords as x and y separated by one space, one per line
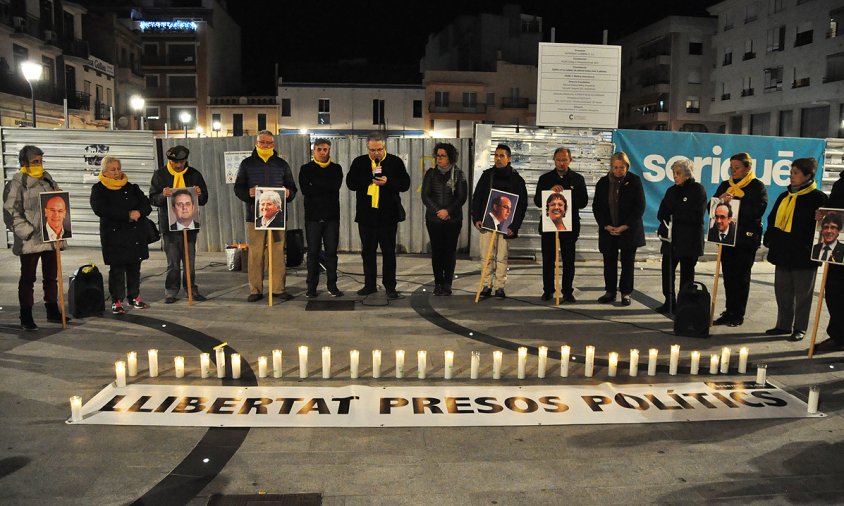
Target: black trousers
669 271
736 264
834 295
371 238
322 235
124 281
628 259
49 277
174 251
444 235
549 259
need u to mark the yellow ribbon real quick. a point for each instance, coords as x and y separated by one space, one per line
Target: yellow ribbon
735 189
178 177
35 171
113 184
323 165
785 212
264 153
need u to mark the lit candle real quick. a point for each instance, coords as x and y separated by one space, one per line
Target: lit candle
497 357
262 366
179 362
522 362
303 362
613 365
448 367
565 357
695 366
421 364
634 362
221 362
674 360
132 363
725 360
277 356
814 397
354 363
120 373
761 374
713 364
399 363
475 365
653 354
590 361
376 363
76 408
204 364
236 365
326 362
742 359
542 362
153 362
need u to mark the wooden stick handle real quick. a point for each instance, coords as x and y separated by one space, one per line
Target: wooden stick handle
187 266
818 310
270 259
61 282
486 265
557 259
715 285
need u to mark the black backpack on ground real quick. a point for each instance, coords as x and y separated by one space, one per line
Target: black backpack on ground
85 294
692 315
294 247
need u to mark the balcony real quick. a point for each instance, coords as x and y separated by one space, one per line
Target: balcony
800 83
773 87
80 101
101 111
725 96
747 92
77 48
457 108
748 56
515 103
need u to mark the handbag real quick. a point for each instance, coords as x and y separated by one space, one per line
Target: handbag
151 231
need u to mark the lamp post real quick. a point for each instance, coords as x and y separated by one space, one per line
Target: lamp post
216 126
137 102
32 72
184 117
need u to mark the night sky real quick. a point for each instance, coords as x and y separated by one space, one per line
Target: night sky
396 32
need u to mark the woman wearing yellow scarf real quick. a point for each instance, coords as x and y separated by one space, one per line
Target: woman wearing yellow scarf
737 261
789 238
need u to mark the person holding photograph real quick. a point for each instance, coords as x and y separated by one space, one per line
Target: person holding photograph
830 249
23 215
166 182
54 213
121 206
618 208
737 262
560 178
269 210
834 289
444 191
503 177
682 208
723 230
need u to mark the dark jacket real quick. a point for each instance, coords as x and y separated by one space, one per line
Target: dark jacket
751 209
793 249
123 241
684 206
444 191
729 237
836 195
321 189
631 207
836 254
506 179
571 181
161 179
253 171
360 177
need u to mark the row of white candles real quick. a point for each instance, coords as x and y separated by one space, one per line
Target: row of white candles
716 363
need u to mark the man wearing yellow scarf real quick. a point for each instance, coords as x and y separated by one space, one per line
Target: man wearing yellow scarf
23 216
737 261
377 180
174 175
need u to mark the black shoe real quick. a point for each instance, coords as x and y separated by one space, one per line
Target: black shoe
254 297
198 297
724 319
486 292
736 321
438 290
625 299
796 336
54 315
776 332
311 293
392 294
546 296
171 299
500 294
447 290
607 298
367 290
27 323
569 298
335 292
828 346
283 296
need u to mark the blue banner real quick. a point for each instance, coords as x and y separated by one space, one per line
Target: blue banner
653 152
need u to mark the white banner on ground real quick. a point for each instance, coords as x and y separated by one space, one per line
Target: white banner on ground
437 405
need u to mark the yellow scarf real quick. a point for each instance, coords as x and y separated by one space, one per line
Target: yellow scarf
374 190
113 184
264 153
735 189
36 171
178 177
323 165
785 212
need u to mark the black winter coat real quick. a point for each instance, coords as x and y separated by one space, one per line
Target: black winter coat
254 171
123 241
751 208
571 181
438 193
360 177
794 249
684 207
631 208
506 179
321 188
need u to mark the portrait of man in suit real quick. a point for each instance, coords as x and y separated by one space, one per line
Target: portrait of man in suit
183 210
499 211
270 210
829 249
56 216
722 228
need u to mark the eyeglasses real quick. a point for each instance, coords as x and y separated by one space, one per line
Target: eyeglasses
442 156
266 143
183 205
34 163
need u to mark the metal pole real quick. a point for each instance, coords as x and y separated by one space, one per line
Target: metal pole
186 130
32 92
142 121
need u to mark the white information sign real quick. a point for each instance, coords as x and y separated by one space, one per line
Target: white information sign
437 405
231 161
578 85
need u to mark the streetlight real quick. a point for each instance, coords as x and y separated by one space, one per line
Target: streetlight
32 72
216 126
184 117
137 103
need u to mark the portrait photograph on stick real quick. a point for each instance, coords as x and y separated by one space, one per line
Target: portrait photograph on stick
722 221
270 208
183 209
556 216
499 211
55 223
828 246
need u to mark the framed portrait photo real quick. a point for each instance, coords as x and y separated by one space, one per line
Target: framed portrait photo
55 216
722 222
270 208
499 211
828 245
183 209
555 213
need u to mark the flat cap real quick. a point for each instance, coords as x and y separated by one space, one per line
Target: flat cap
178 153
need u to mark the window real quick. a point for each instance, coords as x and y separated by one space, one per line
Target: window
181 54
774 6
152 112
800 80
693 104
262 121
324 112
746 87
109 97
237 125
695 47
151 54
49 74
174 116
285 107
726 21
377 112
728 56
776 39
834 68
724 94
748 50
470 100
750 13
182 86
217 118
151 81
694 75
417 108
773 79
440 99
490 99
786 119
804 34
86 87
20 55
